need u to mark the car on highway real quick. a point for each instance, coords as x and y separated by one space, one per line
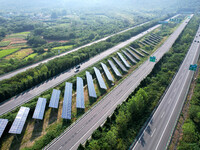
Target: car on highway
76 70
78 66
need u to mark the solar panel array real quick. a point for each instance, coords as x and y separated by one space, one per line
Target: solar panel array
3 124
131 58
107 72
90 84
100 78
116 71
155 39
67 102
40 108
142 43
137 52
148 43
19 121
80 93
148 40
135 56
123 60
152 39
120 64
54 99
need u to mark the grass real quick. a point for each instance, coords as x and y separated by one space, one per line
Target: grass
63 47
31 56
21 35
6 52
18 44
4 43
20 54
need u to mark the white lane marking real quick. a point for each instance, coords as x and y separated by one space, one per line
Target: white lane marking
162 114
153 132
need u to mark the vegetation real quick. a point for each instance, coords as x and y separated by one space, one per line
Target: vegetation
4 43
119 131
34 76
6 52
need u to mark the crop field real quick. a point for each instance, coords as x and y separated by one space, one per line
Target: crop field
31 56
63 47
21 35
20 54
4 43
6 52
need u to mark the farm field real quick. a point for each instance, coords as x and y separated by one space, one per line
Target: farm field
20 54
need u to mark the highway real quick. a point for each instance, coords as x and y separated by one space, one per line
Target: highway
158 132
82 129
13 73
37 90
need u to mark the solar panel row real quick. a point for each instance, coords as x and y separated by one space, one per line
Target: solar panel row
151 42
19 121
152 39
135 56
137 52
3 124
100 78
144 51
90 84
148 43
155 39
120 64
67 102
123 60
79 93
130 58
116 71
142 43
40 108
54 99
107 72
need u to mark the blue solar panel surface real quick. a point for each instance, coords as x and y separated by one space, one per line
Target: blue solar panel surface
137 52
54 99
91 89
67 102
114 68
144 51
19 121
80 93
131 58
40 108
123 60
135 56
3 124
100 78
120 64
107 72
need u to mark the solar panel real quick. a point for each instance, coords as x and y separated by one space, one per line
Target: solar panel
123 60
54 99
137 52
154 38
142 43
67 102
131 58
107 72
19 121
100 78
120 64
79 93
3 124
90 84
135 56
144 51
40 108
114 68
148 43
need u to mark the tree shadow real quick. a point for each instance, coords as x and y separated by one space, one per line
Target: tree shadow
37 131
66 122
53 115
16 142
80 112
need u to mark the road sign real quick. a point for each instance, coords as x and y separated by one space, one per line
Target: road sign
152 59
193 67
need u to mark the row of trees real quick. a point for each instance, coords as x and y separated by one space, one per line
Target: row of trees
32 77
119 131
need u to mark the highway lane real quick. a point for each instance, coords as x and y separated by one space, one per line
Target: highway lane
82 129
158 132
11 74
37 90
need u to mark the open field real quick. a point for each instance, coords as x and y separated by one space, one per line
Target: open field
4 43
31 56
20 54
6 52
63 47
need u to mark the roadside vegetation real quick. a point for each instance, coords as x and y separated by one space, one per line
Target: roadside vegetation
124 125
26 80
36 135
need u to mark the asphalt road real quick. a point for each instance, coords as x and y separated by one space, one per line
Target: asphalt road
158 132
37 90
82 129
